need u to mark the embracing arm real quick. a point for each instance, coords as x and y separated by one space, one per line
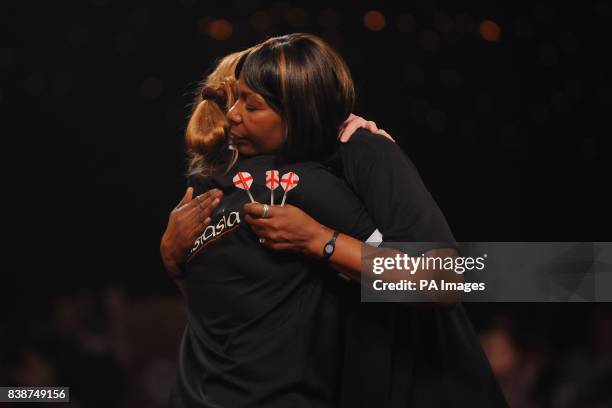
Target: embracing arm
349 258
190 217
395 197
290 228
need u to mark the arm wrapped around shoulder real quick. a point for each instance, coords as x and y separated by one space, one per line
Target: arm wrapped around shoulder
412 225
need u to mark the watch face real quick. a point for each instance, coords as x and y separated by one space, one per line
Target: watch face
329 248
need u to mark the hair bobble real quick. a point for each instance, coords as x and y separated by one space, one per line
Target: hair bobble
211 94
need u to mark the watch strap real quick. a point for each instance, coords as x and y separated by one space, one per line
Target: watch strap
330 246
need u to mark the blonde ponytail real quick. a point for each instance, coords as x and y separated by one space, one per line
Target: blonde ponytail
207 134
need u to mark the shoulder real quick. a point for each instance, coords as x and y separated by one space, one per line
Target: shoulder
367 152
200 183
366 143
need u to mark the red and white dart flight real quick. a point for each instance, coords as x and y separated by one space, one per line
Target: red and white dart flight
243 181
272 182
288 182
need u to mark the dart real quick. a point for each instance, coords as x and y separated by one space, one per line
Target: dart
288 182
272 183
243 181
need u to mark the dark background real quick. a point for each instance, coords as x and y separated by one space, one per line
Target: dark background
510 135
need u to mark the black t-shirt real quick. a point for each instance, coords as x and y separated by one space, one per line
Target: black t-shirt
405 355
347 353
265 327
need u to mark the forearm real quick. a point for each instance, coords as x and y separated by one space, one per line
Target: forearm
172 262
172 267
346 256
349 258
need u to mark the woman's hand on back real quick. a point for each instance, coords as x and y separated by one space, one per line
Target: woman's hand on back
355 122
185 223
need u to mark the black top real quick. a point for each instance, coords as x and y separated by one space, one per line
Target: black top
272 329
265 326
405 355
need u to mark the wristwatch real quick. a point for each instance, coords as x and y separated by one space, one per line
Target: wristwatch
330 246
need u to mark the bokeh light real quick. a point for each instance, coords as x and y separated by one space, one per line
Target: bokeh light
220 29
374 20
490 30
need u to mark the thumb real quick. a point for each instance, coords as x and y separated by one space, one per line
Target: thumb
187 197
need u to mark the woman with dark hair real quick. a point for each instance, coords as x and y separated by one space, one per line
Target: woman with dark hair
273 328
210 150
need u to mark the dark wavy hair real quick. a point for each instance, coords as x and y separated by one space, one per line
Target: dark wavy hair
308 84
